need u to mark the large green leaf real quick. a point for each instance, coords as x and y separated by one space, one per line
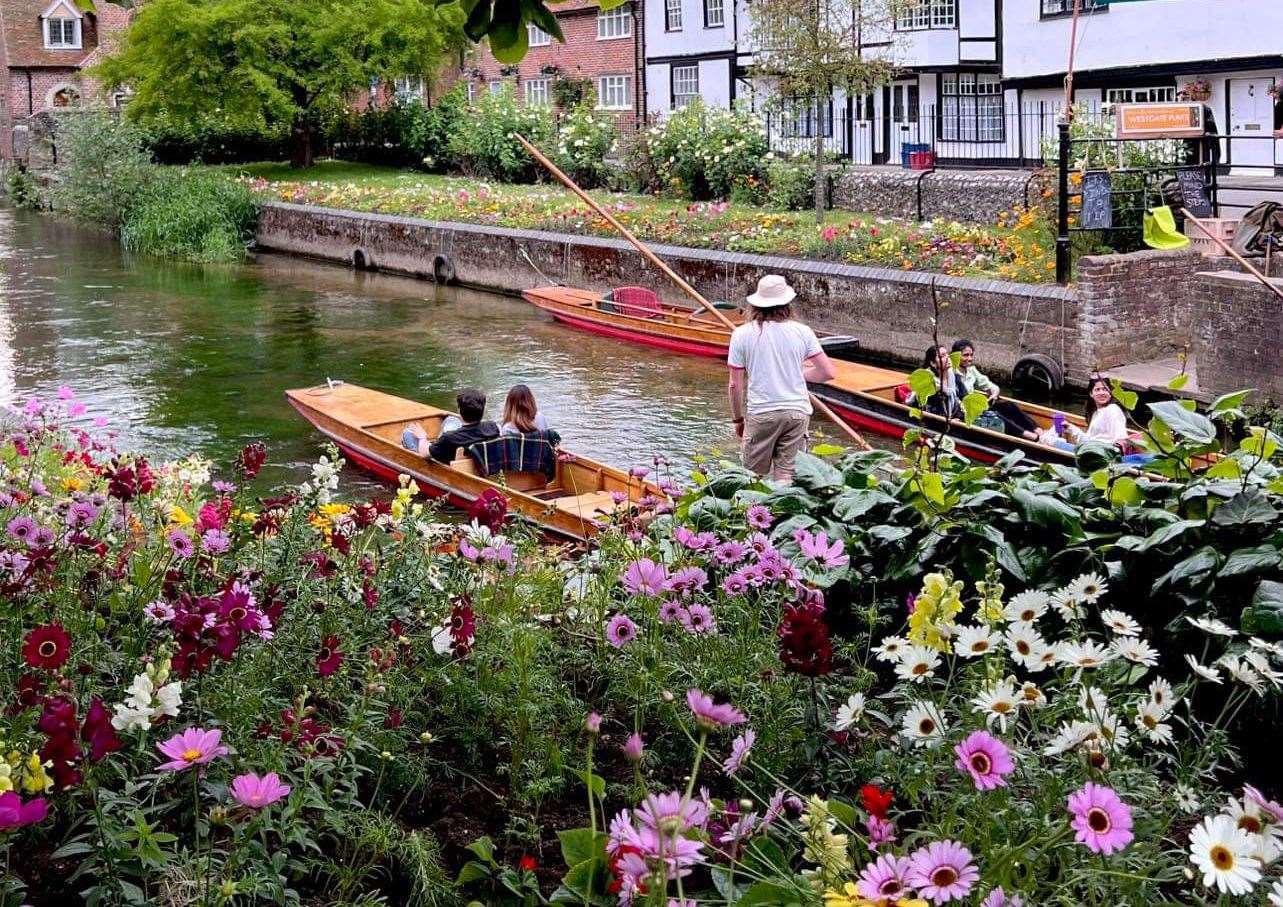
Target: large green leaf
973 404
730 480
1048 511
1229 403
854 503
1264 616
815 474
1197 565
1165 534
1191 425
769 894
1244 509
579 845
509 37
1252 560
923 384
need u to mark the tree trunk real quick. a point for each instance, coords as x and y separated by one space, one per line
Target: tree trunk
820 194
301 153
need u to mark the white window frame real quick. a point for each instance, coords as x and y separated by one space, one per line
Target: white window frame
614 23
1052 8
536 36
537 92
472 91
714 13
1145 94
610 87
63 22
919 15
496 87
407 87
685 84
972 107
672 15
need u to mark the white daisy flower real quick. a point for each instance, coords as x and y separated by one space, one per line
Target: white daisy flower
1092 702
1276 894
1248 816
923 725
1272 648
1023 641
1085 654
1113 731
1069 736
850 712
1149 720
1088 588
1031 697
890 649
1186 798
917 663
1160 693
1261 665
1243 673
1027 607
1223 854
1067 605
972 642
1136 651
1212 625
997 703
1207 673
1121 623
1043 658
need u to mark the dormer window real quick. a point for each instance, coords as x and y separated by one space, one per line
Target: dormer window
61 26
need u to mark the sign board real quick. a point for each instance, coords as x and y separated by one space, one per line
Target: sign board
1097 201
1158 121
1194 191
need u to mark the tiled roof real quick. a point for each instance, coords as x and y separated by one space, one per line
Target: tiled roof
23 34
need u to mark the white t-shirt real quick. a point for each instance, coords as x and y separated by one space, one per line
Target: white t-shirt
541 424
1108 424
772 352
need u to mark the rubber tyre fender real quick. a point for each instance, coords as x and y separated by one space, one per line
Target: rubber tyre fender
443 269
1037 369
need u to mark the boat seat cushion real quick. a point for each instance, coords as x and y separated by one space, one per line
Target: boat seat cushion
903 393
637 301
534 452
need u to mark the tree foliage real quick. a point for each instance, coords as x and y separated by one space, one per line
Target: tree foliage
274 62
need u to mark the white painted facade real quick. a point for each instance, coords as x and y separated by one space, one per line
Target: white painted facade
690 38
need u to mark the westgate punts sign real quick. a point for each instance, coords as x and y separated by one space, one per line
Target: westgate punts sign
1158 121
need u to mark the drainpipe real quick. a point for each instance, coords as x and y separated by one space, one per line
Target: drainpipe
641 101
30 104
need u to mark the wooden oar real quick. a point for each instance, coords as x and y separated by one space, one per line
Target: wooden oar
1269 284
654 259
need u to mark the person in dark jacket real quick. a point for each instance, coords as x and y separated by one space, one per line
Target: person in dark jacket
475 427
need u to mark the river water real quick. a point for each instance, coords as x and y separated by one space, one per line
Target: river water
184 358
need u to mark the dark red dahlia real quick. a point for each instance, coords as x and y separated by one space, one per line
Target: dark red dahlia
462 626
330 657
394 719
98 733
47 647
251 459
804 642
490 509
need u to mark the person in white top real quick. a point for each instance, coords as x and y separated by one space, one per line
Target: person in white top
1106 421
771 358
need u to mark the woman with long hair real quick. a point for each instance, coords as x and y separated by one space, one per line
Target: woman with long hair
1106 421
520 412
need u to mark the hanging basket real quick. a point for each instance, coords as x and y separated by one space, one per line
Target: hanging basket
1199 95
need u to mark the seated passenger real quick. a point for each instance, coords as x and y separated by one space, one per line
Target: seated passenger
521 414
1015 421
950 390
1106 421
472 410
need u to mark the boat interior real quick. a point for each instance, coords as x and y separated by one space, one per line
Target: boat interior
1040 414
580 487
639 302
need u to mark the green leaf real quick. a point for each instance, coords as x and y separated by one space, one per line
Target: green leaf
814 474
541 16
1179 381
483 847
973 404
827 450
923 384
1126 399
768 894
844 812
1165 534
1244 509
1194 426
1225 468
854 503
587 878
932 487
478 22
1252 560
1227 403
724 882
74 849
1261 442
579 845
1264 616
596 785
509 38
1048 511
1125 491
1202 561
472 871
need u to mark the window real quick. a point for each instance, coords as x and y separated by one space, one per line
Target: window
62 33
536 92
971 107
615 23
496 87
714 13
806 119
920 14
615 92
537 37
472 92
1066 7
685 85
408 87
67 96
672 15
1153 95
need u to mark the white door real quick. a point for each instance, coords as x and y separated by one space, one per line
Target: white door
905 115
1251 125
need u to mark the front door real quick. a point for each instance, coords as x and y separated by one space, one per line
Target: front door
904 119
1251 124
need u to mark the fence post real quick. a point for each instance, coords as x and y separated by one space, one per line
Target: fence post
1062 207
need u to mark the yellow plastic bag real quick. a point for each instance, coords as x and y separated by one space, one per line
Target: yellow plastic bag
1159 230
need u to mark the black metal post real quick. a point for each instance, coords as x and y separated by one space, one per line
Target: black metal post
1062 208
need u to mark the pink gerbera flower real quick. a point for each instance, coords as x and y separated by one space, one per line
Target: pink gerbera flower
710 715
759 517
671 814
1101 820
698 619
741 747
181 544
620 631
986 759
942 871
670 611
884 879
999 898
255 792
194 746
645 577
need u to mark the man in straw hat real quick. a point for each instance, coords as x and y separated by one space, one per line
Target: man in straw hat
771 358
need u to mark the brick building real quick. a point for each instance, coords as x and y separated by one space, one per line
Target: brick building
43 48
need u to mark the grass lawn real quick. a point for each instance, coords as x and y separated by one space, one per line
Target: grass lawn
1018 247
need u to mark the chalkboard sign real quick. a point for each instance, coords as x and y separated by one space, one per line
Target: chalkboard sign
1194 191
1097 208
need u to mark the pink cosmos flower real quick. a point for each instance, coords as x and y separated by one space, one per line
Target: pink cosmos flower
1271 807
671 814
881 831
15 814
1101 820
942 871
634 748
255 792
698 620
620 631
670 611
193 746
180 543
741 747
159 612
829 233
215 541
645 577
710 715
592 723
728 553
818 548
687 580
999 898
883 880
21 528
986 759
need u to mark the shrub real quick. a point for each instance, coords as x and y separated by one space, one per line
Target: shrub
103 168
790 184
212 139
193 215
405 134
702 153
583 141
483 141
23 188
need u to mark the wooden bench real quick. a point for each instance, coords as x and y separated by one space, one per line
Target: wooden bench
517 481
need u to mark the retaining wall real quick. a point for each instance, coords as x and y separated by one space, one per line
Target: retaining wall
1238 334
970 196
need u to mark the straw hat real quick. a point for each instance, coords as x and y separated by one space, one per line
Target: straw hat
772 291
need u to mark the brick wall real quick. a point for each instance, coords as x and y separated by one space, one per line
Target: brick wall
1238 334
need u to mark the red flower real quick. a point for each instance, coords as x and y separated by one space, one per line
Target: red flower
394 719
47 647
804 642
462 626
98 732
527 863
252 458
490 509
329 659
876 800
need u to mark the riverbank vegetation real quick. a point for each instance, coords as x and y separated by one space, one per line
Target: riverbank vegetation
1004 685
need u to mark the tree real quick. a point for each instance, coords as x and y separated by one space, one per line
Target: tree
274 62
806 49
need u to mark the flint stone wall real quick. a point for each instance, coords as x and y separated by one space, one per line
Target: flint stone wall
970 196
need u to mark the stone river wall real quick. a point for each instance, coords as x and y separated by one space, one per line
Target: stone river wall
890 311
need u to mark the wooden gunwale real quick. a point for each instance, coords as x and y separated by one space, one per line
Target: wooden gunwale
676 323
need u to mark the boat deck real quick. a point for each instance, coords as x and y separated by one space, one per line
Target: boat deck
855 376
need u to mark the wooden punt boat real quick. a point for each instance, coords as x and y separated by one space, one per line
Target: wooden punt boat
367 425
636 315
864 396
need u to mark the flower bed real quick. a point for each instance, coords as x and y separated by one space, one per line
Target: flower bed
1017 248
217 695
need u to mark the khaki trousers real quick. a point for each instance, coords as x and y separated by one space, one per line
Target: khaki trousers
773 439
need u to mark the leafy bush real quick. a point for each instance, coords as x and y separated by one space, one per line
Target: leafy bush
483 145
406 134
195 215
212 139
103 168
702 153
23 188
790 184
584 138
